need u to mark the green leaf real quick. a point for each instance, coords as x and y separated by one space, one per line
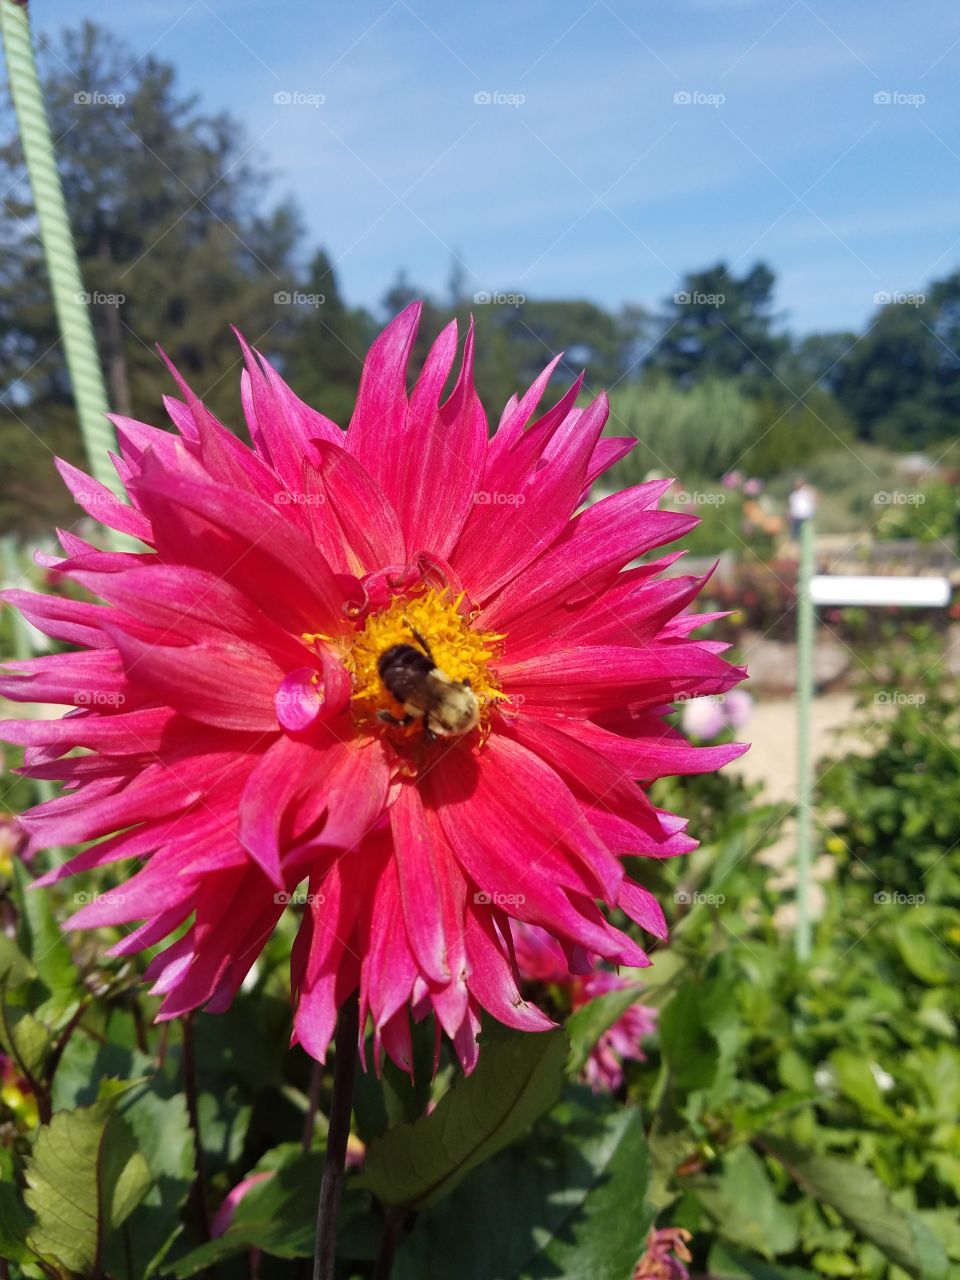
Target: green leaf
590 1021
161 1127
25 1039
277 1215
745 1206
84 1177
857 1081
516 1080
14 1218
726 1263
865 1204
567 1203
692 1053
42 940
924 954
15 968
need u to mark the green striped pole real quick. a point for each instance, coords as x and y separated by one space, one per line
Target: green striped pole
73 313
804 763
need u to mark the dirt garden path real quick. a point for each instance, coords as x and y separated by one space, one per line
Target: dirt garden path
772 730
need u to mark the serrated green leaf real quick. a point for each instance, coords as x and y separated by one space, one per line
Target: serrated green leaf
161 1127
567 1203
516 1080
588 1023
84 1178
865 1204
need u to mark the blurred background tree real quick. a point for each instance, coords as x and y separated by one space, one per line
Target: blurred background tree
179 237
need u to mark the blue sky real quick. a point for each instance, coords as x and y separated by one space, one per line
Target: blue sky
585 175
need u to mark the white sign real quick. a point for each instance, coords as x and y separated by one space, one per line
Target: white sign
930 593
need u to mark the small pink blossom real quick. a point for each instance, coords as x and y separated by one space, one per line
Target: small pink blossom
657 1263
541 959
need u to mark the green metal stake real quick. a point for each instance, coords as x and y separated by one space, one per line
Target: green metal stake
73 314
804 764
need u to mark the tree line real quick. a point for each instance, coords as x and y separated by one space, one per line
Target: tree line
178 241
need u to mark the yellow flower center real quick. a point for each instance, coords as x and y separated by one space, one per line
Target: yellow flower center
456 649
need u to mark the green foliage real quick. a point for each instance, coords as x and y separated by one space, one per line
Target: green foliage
569 1202
517 1079
694 433
84 1178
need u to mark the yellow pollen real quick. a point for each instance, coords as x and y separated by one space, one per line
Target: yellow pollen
463 653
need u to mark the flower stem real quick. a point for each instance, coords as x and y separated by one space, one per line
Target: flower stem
389 1239
189 1067
348 1031
313 1101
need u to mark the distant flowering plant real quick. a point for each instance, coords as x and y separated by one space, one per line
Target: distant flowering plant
394 663
541 959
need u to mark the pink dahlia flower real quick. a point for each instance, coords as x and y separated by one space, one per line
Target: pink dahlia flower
540 958
392 663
